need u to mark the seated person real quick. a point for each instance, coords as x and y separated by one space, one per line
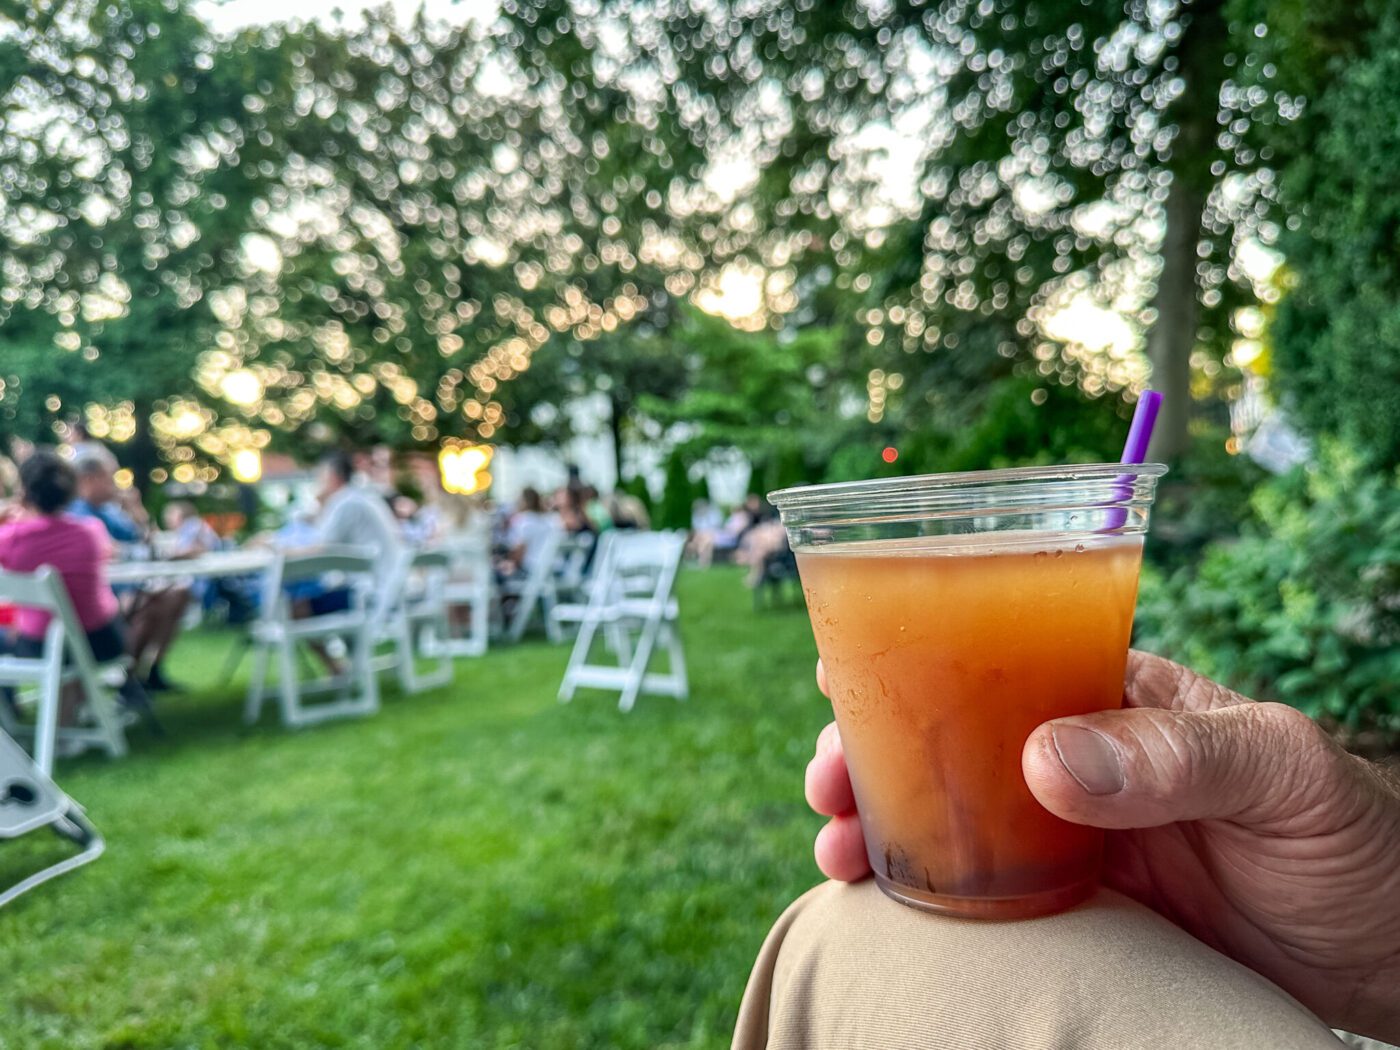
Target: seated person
41 532
120 511
627 511
577 556
764 542
726 539
706 524
354 515
416 524
573 514
9 497
154 611
190 535
596 509
527 535
1251 898
349 514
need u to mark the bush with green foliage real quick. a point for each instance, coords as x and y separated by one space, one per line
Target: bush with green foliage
1336 338
673 509
1305 606
1204 498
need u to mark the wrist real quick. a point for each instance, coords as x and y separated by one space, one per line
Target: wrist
1375 1008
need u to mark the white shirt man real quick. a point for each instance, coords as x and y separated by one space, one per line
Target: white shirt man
356 516
529 532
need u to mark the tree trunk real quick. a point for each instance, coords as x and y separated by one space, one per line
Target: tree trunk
1173 335
615 413
1201 54
141 455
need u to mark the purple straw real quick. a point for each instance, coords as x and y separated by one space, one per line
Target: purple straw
1140 433
1134 452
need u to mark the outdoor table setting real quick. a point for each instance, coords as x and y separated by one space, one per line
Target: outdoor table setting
212 565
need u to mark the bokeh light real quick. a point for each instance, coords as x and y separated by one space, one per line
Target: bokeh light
463 468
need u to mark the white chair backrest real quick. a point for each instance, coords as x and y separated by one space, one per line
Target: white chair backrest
643 559
430 569
45 590
355 564
543 559
634 565
643 550
575 552
426 560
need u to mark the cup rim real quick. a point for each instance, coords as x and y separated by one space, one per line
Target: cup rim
950 484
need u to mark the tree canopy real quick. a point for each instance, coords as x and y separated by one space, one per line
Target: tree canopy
911 217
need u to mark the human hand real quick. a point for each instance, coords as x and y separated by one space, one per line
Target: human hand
1241 822
129 499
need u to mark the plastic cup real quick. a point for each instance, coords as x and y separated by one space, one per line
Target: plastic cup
953 614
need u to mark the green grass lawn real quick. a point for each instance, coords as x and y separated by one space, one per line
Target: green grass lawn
477 866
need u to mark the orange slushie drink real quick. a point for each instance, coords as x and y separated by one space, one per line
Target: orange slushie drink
943 651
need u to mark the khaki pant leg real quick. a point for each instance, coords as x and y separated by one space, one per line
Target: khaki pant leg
846 968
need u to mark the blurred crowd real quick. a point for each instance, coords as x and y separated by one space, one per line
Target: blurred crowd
64 509
750 535
68 508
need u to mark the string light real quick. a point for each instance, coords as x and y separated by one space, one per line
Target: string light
246 465
463 468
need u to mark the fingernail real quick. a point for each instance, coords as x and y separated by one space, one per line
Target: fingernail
1090 758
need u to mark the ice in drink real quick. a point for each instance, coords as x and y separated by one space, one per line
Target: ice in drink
942 655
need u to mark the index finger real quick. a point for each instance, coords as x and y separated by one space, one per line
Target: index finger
1152 681
821 680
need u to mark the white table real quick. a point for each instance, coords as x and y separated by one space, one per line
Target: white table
209 566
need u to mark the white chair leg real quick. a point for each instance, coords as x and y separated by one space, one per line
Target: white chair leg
403 656
104 710
549 598
287 685
619 642
432 640
524 609
46 726
252 707
637 669
364 670
583 642
481 621
676 653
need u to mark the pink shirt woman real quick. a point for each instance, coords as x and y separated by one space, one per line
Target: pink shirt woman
43 534
78 549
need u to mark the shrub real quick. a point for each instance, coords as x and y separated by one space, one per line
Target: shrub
1204 498
1305 606
673 510
1336 338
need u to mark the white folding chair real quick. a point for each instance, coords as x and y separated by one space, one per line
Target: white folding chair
631 601
29 801
468 586
537 590
565 615
277 631
66 657
410 613
575 556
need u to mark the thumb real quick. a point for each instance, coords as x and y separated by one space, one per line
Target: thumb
1264 765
